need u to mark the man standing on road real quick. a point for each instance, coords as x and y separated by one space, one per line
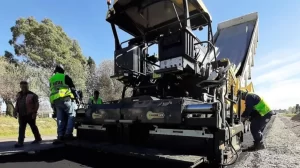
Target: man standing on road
259 113
95 99
26 109
62 101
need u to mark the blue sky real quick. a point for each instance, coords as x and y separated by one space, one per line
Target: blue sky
278 35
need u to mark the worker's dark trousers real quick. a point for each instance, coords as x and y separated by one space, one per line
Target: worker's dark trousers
23 121
257 127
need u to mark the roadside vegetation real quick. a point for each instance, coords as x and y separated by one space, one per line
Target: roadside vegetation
288 114
37 47
9 127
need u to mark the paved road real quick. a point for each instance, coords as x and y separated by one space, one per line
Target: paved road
69 158
7 145
26 139
78 158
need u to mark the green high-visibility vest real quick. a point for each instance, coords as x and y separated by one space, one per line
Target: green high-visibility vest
99 101
58 87
262 107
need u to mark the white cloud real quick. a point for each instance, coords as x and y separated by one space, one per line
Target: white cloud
278 73
273 62
276 77
281 94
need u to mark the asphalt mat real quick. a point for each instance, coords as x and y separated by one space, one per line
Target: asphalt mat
78 158
7 147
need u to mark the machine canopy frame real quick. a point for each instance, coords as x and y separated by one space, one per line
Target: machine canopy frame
140 17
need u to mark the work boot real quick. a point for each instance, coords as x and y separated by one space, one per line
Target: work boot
37 141
256 146
19 145
69 137
58 141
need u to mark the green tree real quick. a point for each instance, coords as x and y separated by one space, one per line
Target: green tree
9 108
91 63
38 80
292 109
110 89
44 45
10 76
92 82
10 57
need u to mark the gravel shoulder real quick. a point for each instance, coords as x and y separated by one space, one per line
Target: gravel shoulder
294 125
283 147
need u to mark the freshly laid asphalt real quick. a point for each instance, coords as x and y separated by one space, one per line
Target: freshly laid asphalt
77 158
72 158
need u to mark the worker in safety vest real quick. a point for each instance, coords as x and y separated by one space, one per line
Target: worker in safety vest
62 101
95 99
259 113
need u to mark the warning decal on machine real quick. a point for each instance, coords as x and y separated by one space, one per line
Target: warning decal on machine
155 75
96 115
150 115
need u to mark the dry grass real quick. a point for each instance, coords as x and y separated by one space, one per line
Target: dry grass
9 127
288 114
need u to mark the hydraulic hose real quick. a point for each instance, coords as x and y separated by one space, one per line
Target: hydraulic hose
230 142
230 138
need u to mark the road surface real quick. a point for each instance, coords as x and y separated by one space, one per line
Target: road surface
79 158
283 147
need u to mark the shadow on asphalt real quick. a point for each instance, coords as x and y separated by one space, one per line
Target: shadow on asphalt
70 157
8 147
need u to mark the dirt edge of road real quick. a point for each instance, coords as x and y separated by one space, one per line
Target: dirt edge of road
249 142
282 147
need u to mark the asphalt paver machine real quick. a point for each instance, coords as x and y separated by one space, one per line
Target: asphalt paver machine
184 99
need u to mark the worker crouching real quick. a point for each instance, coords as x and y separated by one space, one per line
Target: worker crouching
259 114
63 103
